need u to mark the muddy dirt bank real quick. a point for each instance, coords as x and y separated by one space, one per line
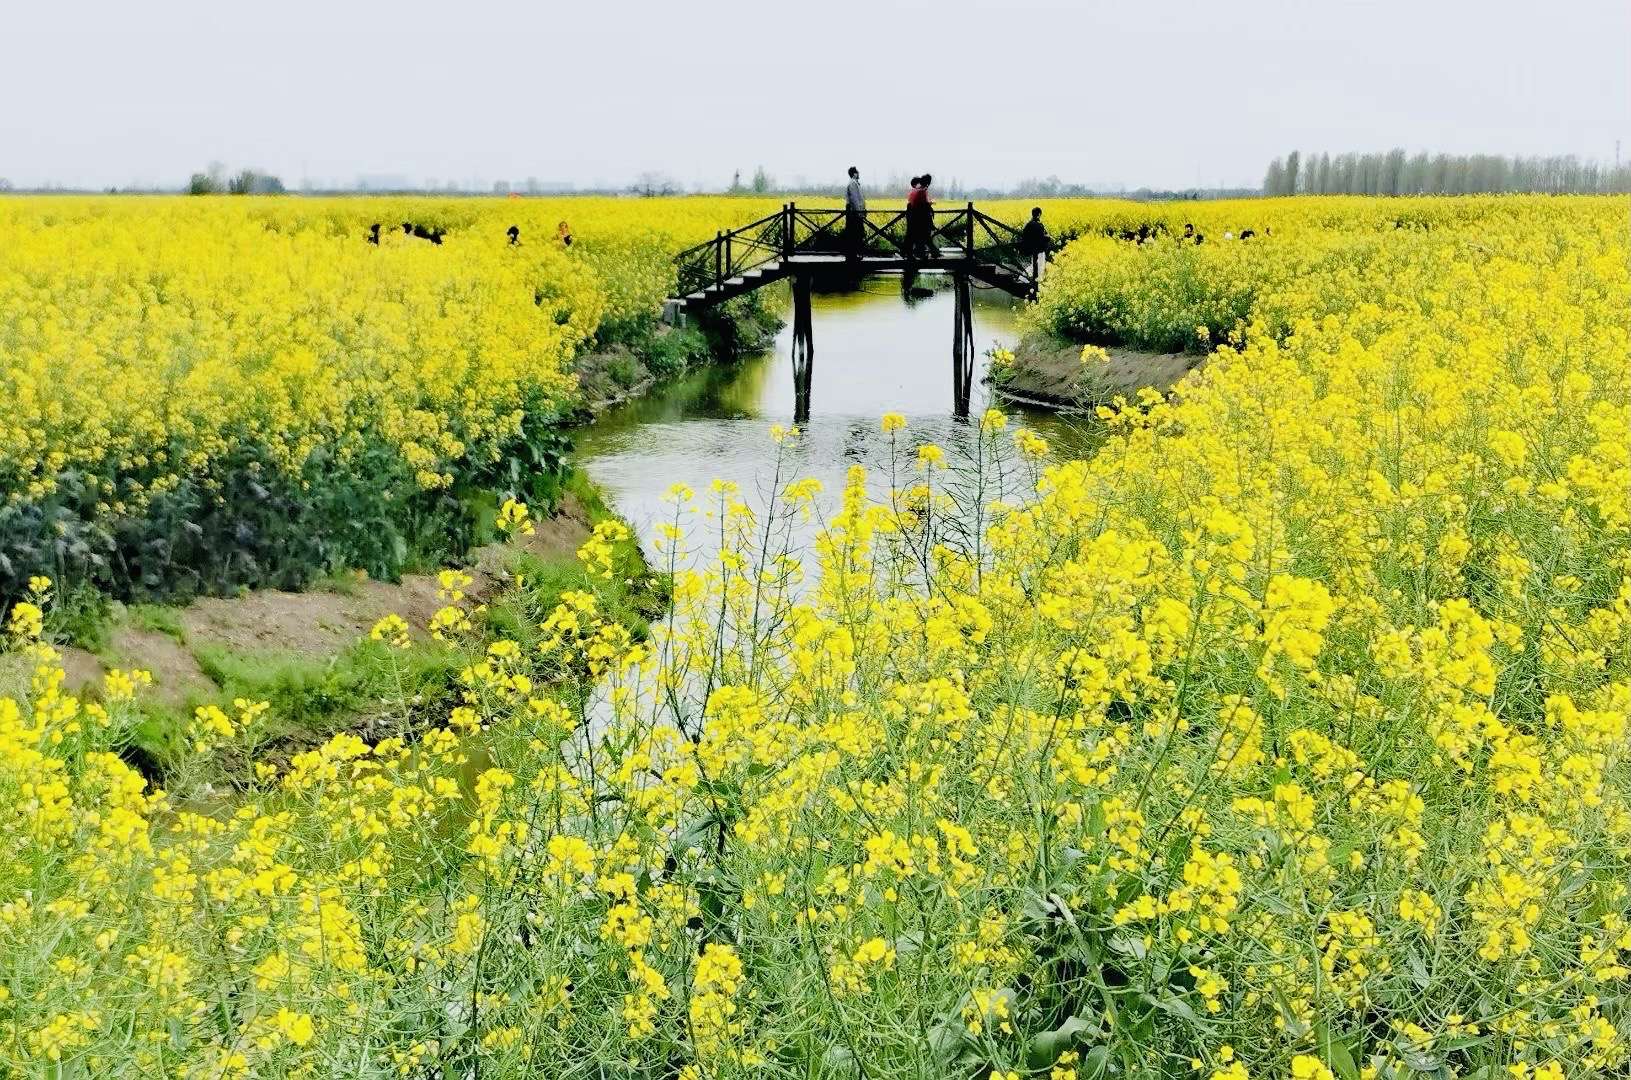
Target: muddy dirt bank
314 624
1050 372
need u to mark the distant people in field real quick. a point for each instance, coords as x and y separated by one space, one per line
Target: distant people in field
373 234
563 232
854 215
514 233
1142 234
1247 234
1035 243
1149 230
434 235
920 219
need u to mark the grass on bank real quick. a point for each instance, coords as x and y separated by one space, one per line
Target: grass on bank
366 687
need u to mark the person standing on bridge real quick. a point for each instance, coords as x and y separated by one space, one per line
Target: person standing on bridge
920 219
1035 243
854 215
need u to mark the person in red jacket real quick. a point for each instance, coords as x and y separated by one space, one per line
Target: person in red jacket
920 218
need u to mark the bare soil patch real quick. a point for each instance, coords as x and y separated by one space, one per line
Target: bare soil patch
176 674
315 624
1047 371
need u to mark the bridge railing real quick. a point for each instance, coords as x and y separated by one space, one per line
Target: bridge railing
731 254
988 245
884 233
998 244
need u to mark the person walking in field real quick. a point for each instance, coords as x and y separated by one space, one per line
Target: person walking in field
854 215
1035 243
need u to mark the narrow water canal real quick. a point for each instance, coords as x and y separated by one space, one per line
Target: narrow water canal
874 353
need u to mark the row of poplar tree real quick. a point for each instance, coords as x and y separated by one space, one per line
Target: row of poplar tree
1398 173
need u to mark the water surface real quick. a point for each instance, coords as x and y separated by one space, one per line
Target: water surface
874 353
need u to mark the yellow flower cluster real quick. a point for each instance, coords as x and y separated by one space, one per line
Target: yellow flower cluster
1287 737
184 378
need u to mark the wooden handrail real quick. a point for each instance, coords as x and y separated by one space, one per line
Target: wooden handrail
734 252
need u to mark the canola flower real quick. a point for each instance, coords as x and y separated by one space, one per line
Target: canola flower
203 393
1285 738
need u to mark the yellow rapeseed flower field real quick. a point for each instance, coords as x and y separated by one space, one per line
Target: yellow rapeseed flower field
207 392
1285 738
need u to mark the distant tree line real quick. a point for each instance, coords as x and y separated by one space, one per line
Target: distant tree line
1397 173
949 189
763 183
652 184
244 182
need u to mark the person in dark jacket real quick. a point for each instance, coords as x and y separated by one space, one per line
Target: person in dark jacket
1035 243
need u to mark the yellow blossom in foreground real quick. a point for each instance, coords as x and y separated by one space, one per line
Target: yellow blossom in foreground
1282 737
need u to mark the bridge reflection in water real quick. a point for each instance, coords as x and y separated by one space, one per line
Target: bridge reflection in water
806 245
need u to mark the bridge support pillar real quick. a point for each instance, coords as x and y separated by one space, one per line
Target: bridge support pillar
803 348
962 346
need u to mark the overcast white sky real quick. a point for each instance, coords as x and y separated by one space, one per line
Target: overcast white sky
1166 93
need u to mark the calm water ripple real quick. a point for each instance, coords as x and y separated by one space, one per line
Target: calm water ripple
874 353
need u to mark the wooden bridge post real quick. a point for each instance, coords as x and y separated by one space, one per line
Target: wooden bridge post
969 243
962 345
803 348
787 230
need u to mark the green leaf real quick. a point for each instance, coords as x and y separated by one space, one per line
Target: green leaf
946 1040
1337 1052
1046 1047
1063 910
1178 850
1173 1005
1341 1061
908 942
838 1059
1129 945
1420 1060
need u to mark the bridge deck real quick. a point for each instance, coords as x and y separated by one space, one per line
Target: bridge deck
748 280
808 243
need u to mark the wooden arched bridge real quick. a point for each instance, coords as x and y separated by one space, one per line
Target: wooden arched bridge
805 245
